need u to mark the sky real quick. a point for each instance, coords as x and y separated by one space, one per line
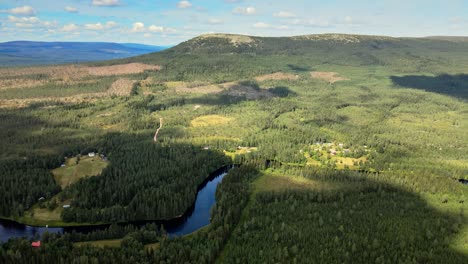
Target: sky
168 22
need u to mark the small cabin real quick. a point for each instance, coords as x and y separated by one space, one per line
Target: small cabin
66 206
91 154
41 199
36 244
63 165
206 148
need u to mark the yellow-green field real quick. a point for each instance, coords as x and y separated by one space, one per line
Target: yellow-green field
101 243
73 171
210 120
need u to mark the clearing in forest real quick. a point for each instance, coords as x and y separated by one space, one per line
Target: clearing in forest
235 89
277 76
121 87
331 77
210 120
73 171
34 75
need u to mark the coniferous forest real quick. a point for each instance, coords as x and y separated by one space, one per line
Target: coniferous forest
349 149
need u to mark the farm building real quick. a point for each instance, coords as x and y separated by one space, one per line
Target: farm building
36 244
91 154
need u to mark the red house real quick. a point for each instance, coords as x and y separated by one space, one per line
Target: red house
36 244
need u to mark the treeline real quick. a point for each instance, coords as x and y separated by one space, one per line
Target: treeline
23 182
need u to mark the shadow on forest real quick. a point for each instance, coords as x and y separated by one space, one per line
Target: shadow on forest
452 85
380 219
298 68
245 92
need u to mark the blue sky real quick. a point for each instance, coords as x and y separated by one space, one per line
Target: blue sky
165 22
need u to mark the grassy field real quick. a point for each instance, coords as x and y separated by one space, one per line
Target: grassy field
113 243
75 170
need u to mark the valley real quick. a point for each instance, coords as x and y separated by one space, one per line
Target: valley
349 148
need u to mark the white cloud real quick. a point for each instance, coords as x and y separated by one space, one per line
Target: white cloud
111 24
245 10
154 28
69 28
70 9
24 25
138 27
21 11
33 21
284 14
313 22
160 29
97 26
106 2
184 4
261 25
23 19
215 21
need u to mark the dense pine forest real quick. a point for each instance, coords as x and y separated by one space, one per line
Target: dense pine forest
350 149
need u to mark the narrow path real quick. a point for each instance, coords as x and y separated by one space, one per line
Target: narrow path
155 139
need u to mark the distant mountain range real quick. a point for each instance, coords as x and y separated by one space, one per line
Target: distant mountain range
21 53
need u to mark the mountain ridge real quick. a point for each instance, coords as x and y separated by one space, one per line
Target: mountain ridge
24 53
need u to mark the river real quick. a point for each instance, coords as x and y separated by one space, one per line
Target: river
195 218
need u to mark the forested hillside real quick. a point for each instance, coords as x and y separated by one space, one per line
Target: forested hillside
350 149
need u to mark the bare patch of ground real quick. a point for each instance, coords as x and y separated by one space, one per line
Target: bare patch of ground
342 38
331 77
34 76
278 76
236 40
20 83
205 89
121 87
229 88
122 69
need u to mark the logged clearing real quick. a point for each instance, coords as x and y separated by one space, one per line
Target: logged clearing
210 120
277 76
331 77
121 87
230 88
195 87
122 69
33 76
73 171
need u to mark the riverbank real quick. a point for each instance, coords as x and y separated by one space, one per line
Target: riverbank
194 218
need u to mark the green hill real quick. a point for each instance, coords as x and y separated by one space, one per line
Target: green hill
222 57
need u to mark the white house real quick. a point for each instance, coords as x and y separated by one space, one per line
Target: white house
91 154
